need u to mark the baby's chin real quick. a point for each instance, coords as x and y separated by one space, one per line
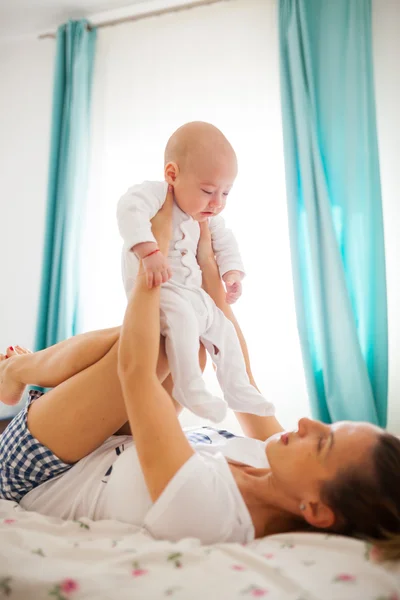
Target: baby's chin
201 217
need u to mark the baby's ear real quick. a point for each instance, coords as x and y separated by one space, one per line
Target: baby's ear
171 171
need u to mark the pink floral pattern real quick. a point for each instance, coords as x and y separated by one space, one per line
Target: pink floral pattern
139 572
345 577
161 569
255 591
64 589
69 585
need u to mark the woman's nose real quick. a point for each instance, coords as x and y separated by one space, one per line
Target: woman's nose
309 425
303 426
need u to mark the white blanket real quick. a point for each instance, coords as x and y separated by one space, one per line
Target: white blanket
42 557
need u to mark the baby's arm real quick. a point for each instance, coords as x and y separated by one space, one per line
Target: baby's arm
135 210
228 258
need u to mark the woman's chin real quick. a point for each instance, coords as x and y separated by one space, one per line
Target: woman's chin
274 438
272 444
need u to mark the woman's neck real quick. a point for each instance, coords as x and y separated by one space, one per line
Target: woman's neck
268 514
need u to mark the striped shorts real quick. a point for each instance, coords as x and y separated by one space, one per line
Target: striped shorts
25 463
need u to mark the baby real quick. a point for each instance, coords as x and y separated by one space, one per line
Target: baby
201 166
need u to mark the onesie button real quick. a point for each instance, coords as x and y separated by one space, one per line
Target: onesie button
183 252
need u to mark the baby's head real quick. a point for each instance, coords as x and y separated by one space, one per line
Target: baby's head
201 165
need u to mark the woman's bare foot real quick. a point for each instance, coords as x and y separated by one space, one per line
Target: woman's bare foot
11 389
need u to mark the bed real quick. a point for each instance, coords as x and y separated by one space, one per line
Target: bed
42 557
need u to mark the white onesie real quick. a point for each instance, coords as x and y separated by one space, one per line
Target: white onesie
188 314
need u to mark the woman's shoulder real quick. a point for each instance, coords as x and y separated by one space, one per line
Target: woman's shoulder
202 501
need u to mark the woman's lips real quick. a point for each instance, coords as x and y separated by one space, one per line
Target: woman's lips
285 439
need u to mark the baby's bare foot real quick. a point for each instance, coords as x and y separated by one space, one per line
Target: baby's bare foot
11 390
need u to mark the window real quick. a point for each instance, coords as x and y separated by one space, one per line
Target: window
218 64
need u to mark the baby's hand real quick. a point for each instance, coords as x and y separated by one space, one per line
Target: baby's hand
233 284
157 269
154 262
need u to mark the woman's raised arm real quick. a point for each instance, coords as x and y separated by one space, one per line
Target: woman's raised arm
161 445
253 425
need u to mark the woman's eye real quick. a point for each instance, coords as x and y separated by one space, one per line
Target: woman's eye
320 443
205 191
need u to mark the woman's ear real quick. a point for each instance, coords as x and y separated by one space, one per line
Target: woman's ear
318 514
171 172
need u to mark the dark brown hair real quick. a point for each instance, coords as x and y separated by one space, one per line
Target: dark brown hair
366 501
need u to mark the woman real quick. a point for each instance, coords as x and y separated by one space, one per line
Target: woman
58 458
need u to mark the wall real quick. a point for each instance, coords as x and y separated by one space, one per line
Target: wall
26 74
386 27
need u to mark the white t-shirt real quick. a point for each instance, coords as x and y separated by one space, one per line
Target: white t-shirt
202 500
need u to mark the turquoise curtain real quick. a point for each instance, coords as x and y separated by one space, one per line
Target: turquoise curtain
68 172
334 205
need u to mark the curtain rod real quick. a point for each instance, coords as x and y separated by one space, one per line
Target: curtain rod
147 15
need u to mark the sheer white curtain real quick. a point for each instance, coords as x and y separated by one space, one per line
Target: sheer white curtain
217 64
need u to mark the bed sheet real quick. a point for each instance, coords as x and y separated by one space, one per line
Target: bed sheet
42 557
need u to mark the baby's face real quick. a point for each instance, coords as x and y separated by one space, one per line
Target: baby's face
201 191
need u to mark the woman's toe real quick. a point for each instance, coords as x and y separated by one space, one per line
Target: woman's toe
22 350
11 351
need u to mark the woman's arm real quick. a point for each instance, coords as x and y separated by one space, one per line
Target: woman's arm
160 442
253 425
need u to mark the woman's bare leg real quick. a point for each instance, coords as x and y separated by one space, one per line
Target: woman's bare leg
52 366
78 415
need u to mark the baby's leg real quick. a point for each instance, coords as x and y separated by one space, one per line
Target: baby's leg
222 343
180 325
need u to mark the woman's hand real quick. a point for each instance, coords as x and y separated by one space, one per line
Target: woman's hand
161 224
205 251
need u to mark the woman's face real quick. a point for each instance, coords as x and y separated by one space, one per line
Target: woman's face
302 459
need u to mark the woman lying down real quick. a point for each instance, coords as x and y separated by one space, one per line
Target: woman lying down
71 453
